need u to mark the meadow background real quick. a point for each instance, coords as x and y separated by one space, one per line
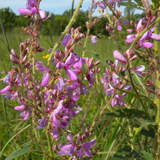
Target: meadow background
108 130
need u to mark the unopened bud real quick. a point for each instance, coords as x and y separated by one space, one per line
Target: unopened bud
24 60
14 54
26 51
96 63
90 64
93 70
37 46
26 43
58 55
99 69
15 69
133 58
13 59
40 50
21 47
130 30
132 23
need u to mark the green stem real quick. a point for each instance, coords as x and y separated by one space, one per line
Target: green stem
128 139
157 102
49 142
88 29
115 14
65 32
145 109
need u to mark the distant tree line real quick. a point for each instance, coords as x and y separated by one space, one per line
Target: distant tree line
55 24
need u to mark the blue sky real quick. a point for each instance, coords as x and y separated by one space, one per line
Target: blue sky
54 6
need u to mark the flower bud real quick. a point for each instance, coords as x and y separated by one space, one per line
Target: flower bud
26 43
21 47
40 50
58 55
24 60
26 51
96 63
37 46
90 63
99 69
15 69
14 54
13 59
22 107
93 70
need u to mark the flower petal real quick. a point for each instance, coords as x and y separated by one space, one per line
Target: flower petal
69 138
24 11
4 90
72 75
93 142
20 107
155 37
117 55
88 153
94 39
42 14
147 45
45 79
27 115
67 38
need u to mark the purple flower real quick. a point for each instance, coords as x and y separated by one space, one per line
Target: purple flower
31 3
60 84
70 61
42 123
94 39
60 118
26 112
32 9
95 5
4 90
143 41
67 39
117 55
119 27
84 150
117 100
41 68
139 70
90 77
101 4
68 149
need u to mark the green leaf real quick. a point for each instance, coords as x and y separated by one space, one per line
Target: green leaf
144 123
147 155
130 5
95 54
126 154
18 152
134 94
49 43
128 113
148 131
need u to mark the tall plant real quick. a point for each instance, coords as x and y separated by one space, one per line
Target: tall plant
50 94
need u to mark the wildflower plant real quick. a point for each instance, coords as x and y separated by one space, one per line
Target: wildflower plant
48 94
